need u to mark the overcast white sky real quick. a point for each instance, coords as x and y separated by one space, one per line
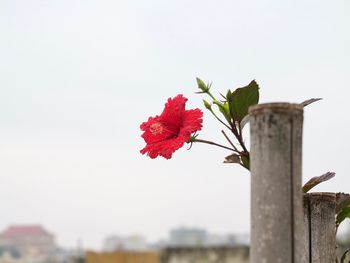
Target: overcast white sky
78 77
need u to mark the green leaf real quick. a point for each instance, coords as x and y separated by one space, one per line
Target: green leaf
246 162
317 180
342 215
308 102
342 201
229 95
233 158
224 109
229 99
342 260
242 99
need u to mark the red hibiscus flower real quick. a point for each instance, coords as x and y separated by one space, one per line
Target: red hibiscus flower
168 132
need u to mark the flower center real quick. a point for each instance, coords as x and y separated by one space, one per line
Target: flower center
156 128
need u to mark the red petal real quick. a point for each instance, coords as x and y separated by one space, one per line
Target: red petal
172 115
176 125
164 148
192 121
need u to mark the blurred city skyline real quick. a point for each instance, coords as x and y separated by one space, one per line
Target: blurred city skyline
180 236
77 78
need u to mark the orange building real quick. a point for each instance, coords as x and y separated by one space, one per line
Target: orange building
122 257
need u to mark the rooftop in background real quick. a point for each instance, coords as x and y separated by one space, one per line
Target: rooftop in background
24 230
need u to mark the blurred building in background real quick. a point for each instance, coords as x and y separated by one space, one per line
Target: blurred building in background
199 237
27 244
221 240
33 244
184 236
129 243
183 245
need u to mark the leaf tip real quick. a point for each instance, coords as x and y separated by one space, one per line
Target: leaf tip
308 102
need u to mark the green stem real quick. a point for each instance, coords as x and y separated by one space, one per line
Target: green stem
213 143
230 142
242 144
228 127
240 138
232 127
211 95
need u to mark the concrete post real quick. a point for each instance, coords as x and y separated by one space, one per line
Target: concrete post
319 236
276 198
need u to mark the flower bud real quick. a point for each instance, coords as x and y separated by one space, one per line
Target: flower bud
207 104
202 86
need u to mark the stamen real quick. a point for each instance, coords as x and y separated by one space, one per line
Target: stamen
156 128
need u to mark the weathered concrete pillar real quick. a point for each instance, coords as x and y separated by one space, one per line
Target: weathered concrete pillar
319 236
276 198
